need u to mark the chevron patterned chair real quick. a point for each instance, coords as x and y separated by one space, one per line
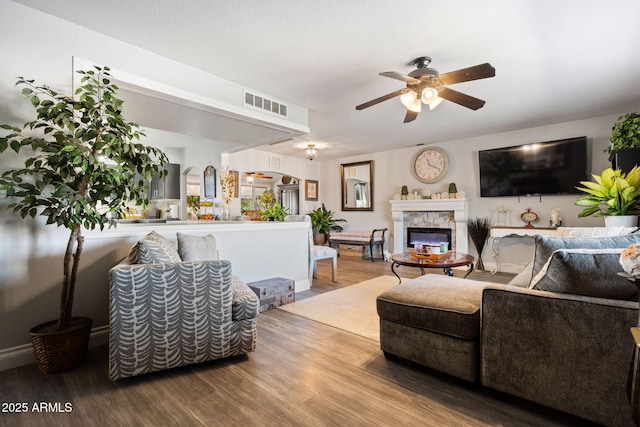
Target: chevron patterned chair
173 307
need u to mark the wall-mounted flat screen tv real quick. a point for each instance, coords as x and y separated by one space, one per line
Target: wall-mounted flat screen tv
553 167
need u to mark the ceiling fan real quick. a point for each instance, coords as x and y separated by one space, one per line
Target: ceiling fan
258 175
427 85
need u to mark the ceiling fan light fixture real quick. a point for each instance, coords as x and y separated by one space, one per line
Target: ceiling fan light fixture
429 95
434 103
416 106
310 152
408 98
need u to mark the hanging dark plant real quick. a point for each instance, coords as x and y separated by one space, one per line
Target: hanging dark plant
479 231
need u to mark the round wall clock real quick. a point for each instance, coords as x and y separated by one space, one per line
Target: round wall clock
430 165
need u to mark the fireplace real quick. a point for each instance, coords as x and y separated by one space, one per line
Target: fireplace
427 236
442 214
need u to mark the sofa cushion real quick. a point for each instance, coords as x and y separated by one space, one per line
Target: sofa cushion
546 245
197 248
588 272
153 249
436 303
593 231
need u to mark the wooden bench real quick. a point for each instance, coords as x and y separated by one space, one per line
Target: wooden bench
376 237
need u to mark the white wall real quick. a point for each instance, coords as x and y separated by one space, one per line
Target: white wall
392 169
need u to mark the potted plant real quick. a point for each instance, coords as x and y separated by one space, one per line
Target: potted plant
614 195
84 170
274 213
479 232
624 150
322 222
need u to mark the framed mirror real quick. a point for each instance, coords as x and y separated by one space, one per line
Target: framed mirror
210 183
357 186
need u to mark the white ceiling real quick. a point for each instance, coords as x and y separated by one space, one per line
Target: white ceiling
555 61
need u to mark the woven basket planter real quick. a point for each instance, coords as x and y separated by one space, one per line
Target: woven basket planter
58 351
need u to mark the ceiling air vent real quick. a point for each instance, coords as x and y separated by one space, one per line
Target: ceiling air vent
263 103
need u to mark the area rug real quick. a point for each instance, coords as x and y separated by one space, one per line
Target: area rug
352 309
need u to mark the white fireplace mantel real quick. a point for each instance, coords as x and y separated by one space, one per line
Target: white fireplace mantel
457 206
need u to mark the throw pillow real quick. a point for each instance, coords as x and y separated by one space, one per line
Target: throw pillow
197 248
523 279
546 245
153 249
588 272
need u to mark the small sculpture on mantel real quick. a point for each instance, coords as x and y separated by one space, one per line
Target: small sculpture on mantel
404 192
556 220
453 189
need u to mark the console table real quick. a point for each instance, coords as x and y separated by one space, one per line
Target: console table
498 232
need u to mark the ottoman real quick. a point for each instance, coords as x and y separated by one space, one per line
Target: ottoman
434 320
274 292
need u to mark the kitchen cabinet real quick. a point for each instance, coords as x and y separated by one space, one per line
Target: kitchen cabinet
168 188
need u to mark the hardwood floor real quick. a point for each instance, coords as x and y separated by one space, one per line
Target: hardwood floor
303 373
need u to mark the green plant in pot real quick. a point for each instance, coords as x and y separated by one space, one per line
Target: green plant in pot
274 213
323 222
613 194
624 150
86 167
266 200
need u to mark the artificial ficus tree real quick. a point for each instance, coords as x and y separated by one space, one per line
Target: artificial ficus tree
85 165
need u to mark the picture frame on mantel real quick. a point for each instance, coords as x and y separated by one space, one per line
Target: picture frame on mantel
310 190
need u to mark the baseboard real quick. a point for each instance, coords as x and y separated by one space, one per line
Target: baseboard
23 354
303 285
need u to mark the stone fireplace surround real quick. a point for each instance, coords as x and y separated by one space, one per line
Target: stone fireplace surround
435 213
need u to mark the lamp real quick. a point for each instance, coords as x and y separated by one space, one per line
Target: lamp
311 151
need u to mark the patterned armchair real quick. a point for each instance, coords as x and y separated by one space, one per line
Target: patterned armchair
168 314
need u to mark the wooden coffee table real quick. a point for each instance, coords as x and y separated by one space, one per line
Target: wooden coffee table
446 263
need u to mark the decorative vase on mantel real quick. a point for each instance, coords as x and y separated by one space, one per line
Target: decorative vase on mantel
621 221
226 212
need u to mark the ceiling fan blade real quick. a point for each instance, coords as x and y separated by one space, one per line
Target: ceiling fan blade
410 116
398 76
460 98
476 72
379 100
